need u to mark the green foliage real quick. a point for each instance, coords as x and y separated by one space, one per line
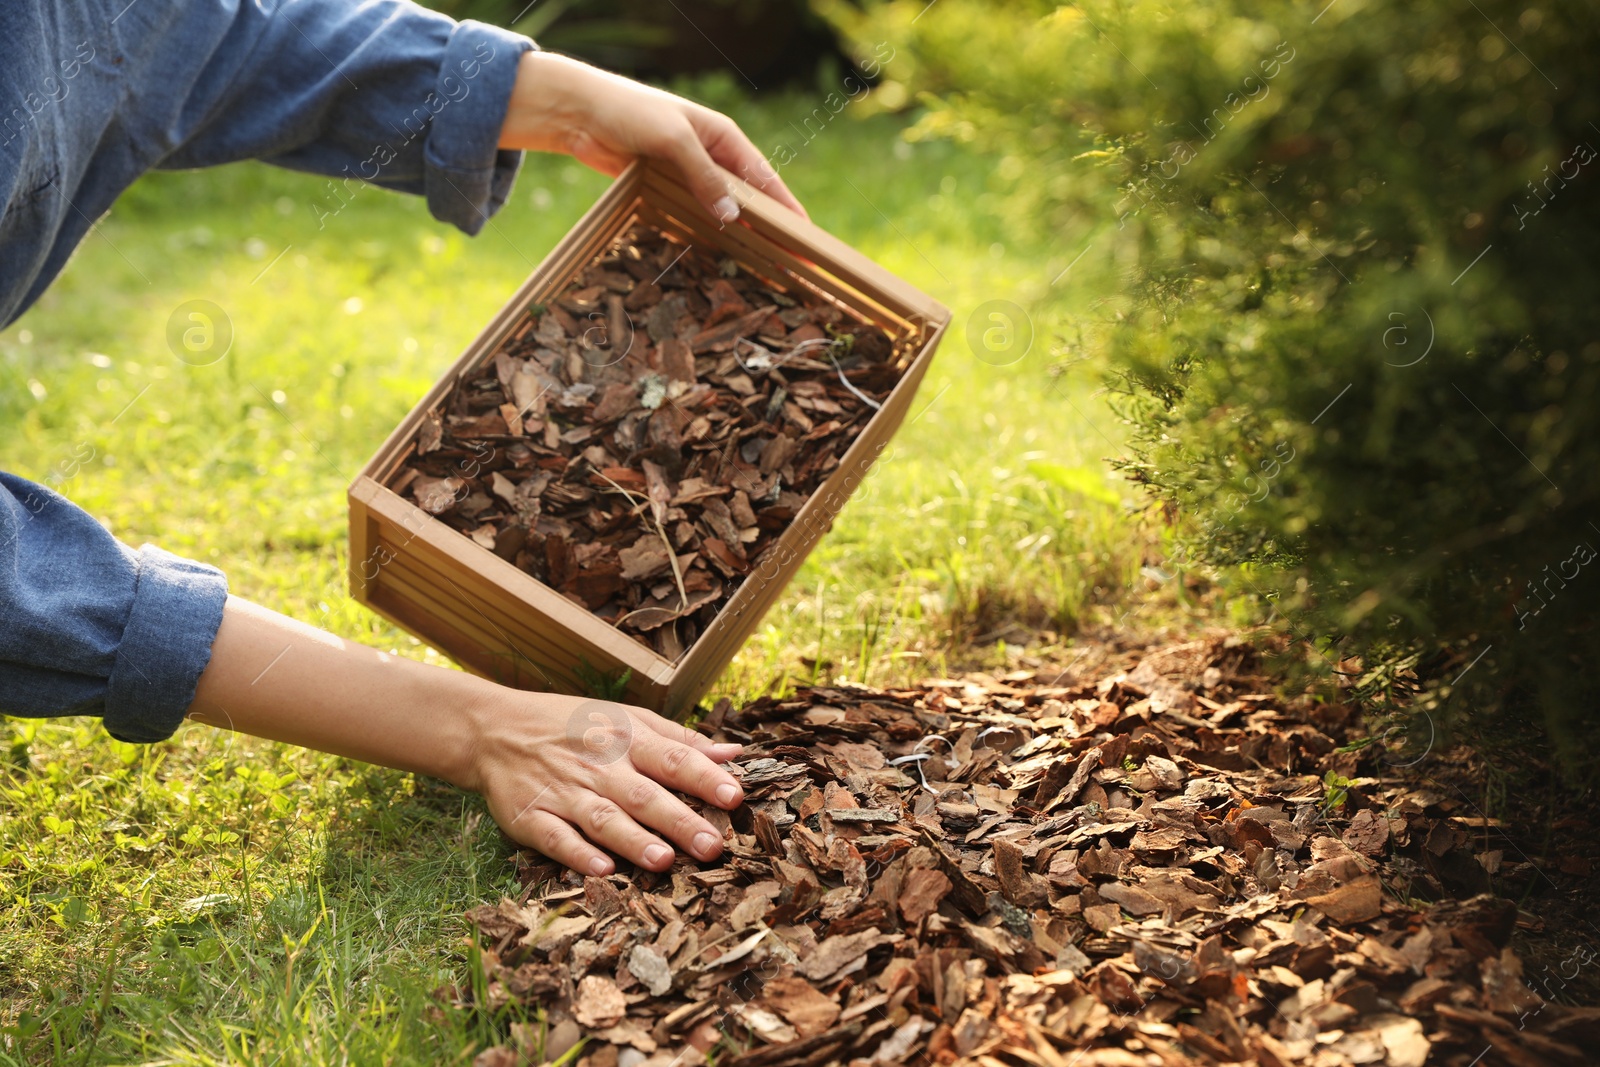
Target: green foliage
602 685
1354 333
1336 790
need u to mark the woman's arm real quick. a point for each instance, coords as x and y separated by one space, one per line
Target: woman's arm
562 774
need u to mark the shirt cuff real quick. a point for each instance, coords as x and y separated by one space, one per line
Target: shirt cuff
166 644
467 176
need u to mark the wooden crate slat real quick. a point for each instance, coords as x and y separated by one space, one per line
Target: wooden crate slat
477 628
479 633
786 230
363 532
517 628
482 621
476 568
468 613
473 649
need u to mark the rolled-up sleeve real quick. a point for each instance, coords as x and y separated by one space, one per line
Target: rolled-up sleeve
383 92
466 175
90 626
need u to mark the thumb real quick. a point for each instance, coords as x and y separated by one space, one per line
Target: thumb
705 179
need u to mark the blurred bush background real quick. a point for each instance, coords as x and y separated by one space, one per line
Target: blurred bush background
1353 333
767 44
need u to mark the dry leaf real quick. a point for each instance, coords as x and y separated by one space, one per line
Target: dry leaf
598 1002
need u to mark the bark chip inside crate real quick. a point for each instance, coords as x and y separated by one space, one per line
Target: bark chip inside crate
641 441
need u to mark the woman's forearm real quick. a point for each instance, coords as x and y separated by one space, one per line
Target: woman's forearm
271 676
568 775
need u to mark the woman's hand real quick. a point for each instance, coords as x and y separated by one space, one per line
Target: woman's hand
571 776
567 775
605 120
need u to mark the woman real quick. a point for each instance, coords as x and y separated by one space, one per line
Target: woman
389 93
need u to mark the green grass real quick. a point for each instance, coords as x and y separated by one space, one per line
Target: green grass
217 899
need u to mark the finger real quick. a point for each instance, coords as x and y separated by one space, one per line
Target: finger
555 837
653 806
686 769
603 821
717 751
729 147
704 178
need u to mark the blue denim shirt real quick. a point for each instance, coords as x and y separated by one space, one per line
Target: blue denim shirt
92 94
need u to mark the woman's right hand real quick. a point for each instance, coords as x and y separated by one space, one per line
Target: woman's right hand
572 777
577 779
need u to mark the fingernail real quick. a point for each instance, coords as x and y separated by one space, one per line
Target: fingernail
705 844
725 209
598 866
727 794
727 748
656 855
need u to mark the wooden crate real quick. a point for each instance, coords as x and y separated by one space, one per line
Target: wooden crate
498 621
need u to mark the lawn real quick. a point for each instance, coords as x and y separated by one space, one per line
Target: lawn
216 899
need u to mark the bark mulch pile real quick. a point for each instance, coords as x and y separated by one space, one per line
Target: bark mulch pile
1168 867
647 437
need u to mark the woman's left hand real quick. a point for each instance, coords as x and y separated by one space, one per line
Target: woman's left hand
606 121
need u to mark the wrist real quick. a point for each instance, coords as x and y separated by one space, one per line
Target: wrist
480 714
547 103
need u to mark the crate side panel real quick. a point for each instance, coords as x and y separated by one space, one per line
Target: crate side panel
420 617
761 589
524 631
364 533
504 648
453 616
473 567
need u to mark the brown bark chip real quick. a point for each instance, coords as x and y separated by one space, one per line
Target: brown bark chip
1095 887
640 443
